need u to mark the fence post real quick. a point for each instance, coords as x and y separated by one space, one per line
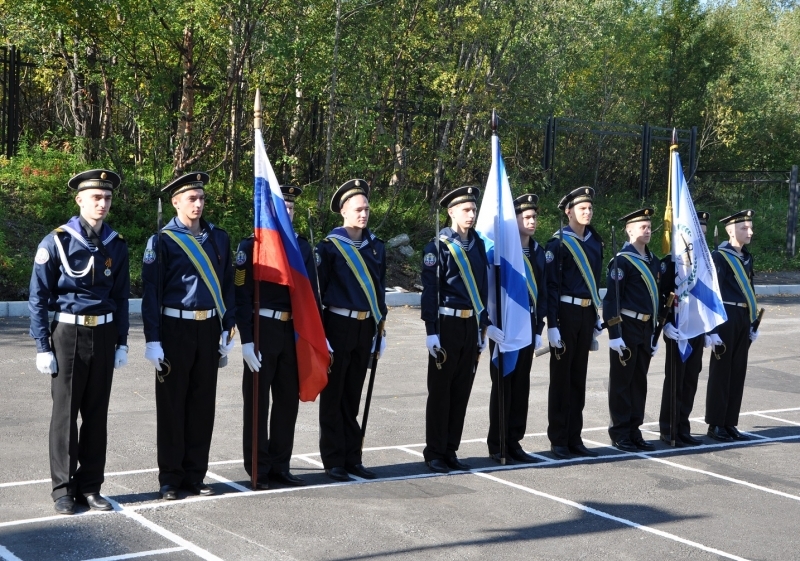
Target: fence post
791 221
644 175
692 155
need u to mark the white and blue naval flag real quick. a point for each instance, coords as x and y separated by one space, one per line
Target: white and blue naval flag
497 225
700 307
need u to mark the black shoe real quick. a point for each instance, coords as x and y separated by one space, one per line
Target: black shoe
65 505
719 433
520 456
497 457
95 501
437 466
168 492
665 438
199 488
581 450
338 474
456 464
689 440
625 445
560 452
735 434
642 444
286 478
361 471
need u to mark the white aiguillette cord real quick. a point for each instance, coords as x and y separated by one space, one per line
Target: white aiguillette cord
65 262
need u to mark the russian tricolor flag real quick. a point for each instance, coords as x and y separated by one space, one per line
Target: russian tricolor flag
277 259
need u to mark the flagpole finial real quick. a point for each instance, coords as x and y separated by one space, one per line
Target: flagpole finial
257 110
674 142
494 122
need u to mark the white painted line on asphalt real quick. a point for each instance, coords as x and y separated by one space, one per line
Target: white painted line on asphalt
410 451
61 517
174 538
139 554
649 456
777 419
6 555
608 516
305 458
228 482
30 482
754 435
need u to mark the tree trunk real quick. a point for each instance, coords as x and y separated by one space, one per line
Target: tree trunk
326 177
185 121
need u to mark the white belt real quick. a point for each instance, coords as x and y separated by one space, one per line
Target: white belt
582 302
275 314
635 315
456 313
349 313
87 321
198 315
737 304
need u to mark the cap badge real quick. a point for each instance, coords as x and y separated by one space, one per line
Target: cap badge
358 183
198 177
586 191
530 198
469 190
647 212
103 175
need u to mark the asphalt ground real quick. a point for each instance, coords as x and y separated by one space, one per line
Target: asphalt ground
732 501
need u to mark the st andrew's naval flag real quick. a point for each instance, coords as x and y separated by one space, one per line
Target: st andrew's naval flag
277 259
497 225
699 305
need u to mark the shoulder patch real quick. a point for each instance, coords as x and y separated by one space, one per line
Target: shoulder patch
616 274
241 258
317 258
548 256
42 256
663 266
238 277
149 256
429 260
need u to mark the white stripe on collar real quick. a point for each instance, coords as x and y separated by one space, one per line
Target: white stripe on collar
346 239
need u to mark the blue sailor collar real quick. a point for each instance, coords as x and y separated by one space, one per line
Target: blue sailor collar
744 256
527 250
340 233
451 235
76 230
570 232
177 226
628 249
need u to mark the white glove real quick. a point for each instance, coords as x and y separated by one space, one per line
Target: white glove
330 349
224 346
671 332
120 358
154 353
616 345
432 342
715 340
537 341
46 363
554 337
383 347
495 334
653 349
252 361
753 335
706 341
598 329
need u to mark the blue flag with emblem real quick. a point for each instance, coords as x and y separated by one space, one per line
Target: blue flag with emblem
497 225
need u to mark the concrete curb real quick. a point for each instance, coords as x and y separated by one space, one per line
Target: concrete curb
394 299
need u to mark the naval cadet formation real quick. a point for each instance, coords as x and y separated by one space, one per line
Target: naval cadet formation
196 292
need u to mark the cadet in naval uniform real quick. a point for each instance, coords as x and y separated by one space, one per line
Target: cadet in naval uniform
188 311
634 276
276 362
686 373
81 273
351 264
572 272
518 382
728 367
453 309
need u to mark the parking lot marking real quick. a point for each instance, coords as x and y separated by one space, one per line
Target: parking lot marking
24 521
777 419
6 555
608 516
138 554
228 482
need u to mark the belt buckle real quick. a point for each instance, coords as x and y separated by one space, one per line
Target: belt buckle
90 321
284 316
361 315
200 315
585 302
645 317
463 314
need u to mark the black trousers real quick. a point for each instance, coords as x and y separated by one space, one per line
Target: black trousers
516 392
185 401
627 385
450 387
340 433
726 374
567 393
85 358
278 375
686 376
